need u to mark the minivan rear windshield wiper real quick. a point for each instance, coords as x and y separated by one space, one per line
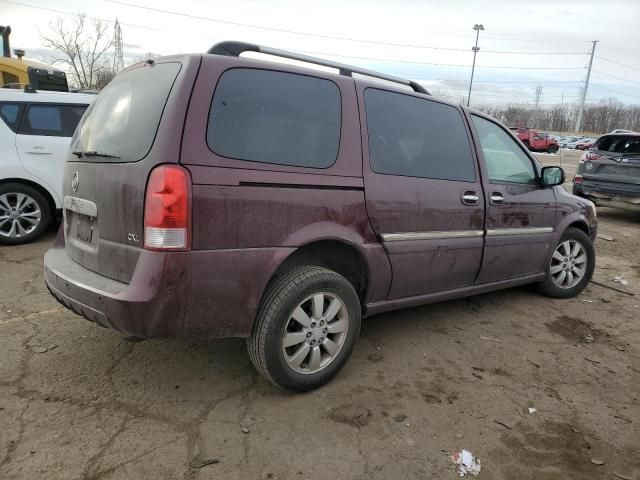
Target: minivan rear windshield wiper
93 153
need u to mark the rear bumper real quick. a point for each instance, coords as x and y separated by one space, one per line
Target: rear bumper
203 294
605 190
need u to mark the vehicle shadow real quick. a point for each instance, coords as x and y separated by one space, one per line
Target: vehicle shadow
624 213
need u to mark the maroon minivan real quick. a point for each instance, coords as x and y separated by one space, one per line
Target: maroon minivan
223 196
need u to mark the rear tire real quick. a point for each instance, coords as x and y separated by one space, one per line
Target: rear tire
24 214
552 149
298 357
573 254
526 144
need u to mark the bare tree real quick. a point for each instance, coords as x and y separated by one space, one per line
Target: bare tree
83 46
600 117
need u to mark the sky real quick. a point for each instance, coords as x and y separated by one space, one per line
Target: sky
524 44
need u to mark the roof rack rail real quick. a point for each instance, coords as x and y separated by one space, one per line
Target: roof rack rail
234 49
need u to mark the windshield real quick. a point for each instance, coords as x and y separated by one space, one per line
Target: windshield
123 121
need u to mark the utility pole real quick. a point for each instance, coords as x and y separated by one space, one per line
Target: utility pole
477 27
583 95
537 111
118 56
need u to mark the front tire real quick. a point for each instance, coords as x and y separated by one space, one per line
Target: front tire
24 214
571 266
306 328
552 149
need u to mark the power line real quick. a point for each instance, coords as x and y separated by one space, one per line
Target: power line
63 12
333 37
281 30
615 76
506 82
416 62
614 90
535 53
617 63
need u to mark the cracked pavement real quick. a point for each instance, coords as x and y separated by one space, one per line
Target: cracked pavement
79 402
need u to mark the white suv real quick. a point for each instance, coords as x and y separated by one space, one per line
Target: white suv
35 132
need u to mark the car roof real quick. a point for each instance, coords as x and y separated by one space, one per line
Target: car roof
18 95
621 134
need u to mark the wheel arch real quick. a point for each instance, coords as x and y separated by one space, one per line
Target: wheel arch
335 254
580 225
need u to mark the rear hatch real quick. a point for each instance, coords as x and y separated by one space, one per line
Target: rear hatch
135 123
613 163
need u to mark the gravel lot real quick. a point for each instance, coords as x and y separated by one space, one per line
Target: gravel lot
78 401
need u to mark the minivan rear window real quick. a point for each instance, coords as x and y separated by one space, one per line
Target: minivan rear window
622 144
275 117
123 120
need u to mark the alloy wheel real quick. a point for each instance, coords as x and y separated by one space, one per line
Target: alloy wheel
315 333
568 264
19 215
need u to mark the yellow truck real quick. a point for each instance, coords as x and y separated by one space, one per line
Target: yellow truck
22 73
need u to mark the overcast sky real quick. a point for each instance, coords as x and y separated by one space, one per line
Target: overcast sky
392 36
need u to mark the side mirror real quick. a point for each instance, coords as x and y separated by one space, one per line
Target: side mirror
552 176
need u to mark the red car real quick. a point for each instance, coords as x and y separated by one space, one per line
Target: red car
536 141
585 145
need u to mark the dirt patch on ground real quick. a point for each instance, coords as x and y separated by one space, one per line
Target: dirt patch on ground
355 415
575 329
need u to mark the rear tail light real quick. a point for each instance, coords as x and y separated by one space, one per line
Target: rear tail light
592 156
578 179
167 210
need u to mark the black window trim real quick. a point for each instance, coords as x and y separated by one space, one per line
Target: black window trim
27 106
22 105
532 159
275 165
472 150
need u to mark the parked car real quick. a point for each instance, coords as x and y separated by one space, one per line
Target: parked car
610 170
35 132
536 141
570 141
222 196
585 144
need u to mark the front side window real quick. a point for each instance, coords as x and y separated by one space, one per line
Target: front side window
275 117
415 137
52 120
506 162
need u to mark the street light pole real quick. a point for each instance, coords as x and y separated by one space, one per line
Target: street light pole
477 27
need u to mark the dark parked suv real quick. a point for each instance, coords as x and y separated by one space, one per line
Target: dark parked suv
609 171
222 196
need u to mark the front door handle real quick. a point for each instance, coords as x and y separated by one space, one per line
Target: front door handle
470 198
496 198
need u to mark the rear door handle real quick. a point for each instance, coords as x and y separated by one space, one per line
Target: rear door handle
470 198
496 198
38 150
